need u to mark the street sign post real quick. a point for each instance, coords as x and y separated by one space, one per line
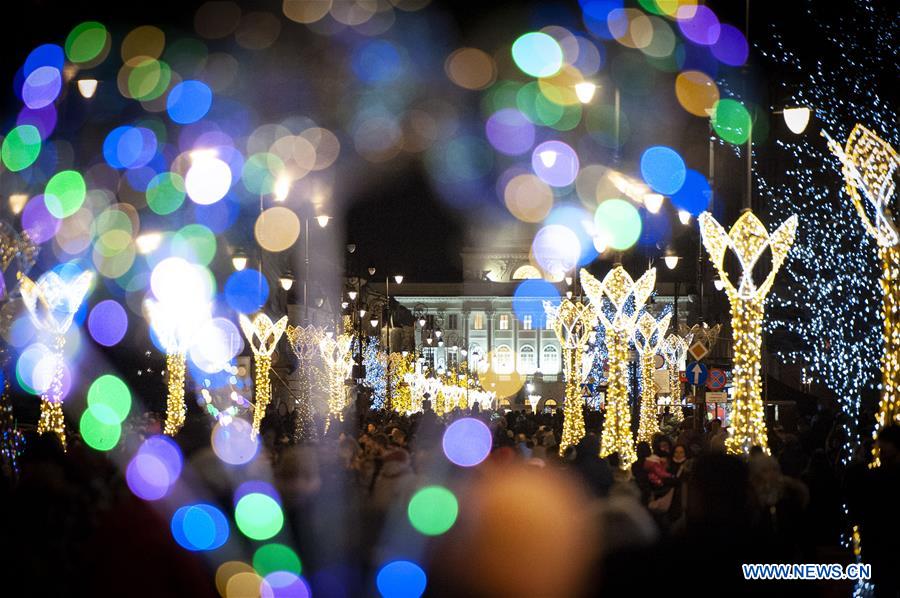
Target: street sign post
716 380
696 373
718 396
698 351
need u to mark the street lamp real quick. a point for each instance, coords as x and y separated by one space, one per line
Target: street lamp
684 217
282 188
585 91
372 271
373 322
398 278
239 260
671 261
653 202
87 88
286 280
719 284
323 220
797 119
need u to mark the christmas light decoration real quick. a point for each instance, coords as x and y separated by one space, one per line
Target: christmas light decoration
52 304
868 166
674 351
649 339
263 337
375 362
825 308
573 322
304 342
400 395
175 325
618 300
748 239
338 358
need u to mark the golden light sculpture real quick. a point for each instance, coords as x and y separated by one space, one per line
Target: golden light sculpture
869 165
399 393
674 351
304 343
748 239
610 299
573 322
52 304
263 336
176 325
337 355
649 338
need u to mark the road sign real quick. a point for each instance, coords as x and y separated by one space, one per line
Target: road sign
682 377
716 379
658 361
717 397
586 391
696 373
698 351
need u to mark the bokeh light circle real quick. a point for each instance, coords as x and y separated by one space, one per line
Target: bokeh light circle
189 101
619 223
401 579
731 121
467 442
110 399
528 198
235 443
537 54
246 291
208 180
65 193
258 516
276 229
21 147
199 527
432 510
556 249
663 169
556 163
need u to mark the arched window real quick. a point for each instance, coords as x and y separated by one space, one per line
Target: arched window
527 359
503 359
550 360
550 405
525 272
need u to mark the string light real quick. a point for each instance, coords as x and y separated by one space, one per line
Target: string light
399 395
649 338
674 351
835 271
338 358
52 304
263 337
304 342
624 297
868 167
748 239
573 324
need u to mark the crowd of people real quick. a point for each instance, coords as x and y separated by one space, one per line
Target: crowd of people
532 521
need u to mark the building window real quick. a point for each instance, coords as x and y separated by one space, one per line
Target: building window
525 272
504 321
526 322
452 358
503 359
550 360
478 321
527 361
451 322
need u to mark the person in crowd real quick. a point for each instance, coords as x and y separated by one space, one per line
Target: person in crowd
594 471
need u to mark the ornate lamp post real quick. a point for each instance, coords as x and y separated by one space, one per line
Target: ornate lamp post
338 357
619 316
869 164
748 239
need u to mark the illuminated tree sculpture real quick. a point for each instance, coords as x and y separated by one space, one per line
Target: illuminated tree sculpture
304 343
399 394
618 300
263 337
649 338
869 164
674 351
573 323
338 357
748 239
52 304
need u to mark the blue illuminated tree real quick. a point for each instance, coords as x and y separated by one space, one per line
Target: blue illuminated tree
828 299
